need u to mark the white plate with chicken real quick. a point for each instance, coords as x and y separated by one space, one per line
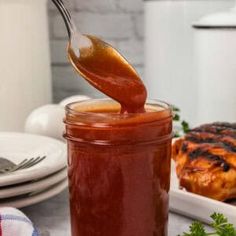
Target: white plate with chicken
204 172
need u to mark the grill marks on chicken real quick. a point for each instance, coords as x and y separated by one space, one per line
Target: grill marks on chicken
206 160
218 129
218 160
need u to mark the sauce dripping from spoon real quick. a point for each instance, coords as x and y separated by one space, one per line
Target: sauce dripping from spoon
105 69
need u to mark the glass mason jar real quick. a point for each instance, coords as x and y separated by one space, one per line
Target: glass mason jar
118 168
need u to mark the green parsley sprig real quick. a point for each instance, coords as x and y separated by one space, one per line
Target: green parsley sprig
220 225
184 126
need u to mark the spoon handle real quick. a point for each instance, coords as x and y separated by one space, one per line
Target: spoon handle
77 40
66 16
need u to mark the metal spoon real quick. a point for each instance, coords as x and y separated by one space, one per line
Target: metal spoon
102 65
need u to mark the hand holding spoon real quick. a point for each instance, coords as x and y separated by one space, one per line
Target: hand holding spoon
104 67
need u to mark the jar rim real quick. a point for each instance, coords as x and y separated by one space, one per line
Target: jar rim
150 102
88 116
115 128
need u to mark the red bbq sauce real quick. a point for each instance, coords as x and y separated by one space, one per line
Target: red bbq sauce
118 153
105 69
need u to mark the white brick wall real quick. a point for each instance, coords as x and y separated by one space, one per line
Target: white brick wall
101 6
119 22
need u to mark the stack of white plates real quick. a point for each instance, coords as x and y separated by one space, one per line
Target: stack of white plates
39 182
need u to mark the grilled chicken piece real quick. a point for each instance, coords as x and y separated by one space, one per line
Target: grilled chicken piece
206 161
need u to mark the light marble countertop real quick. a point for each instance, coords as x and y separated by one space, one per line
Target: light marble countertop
52 217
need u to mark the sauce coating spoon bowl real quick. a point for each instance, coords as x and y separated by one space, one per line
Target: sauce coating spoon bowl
103 66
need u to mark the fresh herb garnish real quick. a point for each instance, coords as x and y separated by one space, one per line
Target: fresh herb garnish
176 117
182 126
175 109
185 126
220 225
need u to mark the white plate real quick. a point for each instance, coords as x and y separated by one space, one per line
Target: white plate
39 185
18 146
196 206
28 200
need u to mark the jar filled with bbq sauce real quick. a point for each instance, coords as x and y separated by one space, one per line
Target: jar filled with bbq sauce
119 168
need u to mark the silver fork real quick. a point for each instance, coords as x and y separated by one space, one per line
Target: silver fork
26 163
